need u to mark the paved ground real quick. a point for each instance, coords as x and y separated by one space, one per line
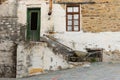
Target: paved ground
97 71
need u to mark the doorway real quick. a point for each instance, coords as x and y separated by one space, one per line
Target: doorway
33 24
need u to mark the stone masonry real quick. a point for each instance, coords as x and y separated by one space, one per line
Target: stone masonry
10 35
10 32
7 59
10 29
101 17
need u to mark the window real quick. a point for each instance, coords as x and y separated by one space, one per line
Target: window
73 17
34 16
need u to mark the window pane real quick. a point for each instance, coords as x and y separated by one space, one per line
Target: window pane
76 28
69 16
69 9
69 22
34 16
76 16
69 28
75 9
75 22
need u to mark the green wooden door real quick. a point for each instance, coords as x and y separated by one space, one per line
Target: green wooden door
33 24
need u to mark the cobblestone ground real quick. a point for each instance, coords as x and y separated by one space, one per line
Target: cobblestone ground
97 71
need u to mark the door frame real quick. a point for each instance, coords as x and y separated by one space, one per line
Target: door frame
29 10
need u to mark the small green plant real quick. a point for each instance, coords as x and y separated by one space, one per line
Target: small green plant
93 60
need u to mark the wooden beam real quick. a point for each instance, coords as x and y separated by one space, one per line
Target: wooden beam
75 2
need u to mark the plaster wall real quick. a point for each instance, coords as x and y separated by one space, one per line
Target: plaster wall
36 58
8 8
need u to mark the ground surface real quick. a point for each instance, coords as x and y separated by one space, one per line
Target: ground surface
97 71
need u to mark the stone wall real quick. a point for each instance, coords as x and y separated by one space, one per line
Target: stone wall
7 59
36 58
78 1
9 33
101 17
111 56
10 29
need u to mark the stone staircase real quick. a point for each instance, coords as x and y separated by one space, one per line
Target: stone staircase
58 48
69 54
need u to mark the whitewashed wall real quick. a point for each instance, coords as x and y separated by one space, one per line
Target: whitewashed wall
8 8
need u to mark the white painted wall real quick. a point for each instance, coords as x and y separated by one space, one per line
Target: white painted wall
8 8
105 40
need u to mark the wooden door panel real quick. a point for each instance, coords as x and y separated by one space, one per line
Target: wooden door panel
33 27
